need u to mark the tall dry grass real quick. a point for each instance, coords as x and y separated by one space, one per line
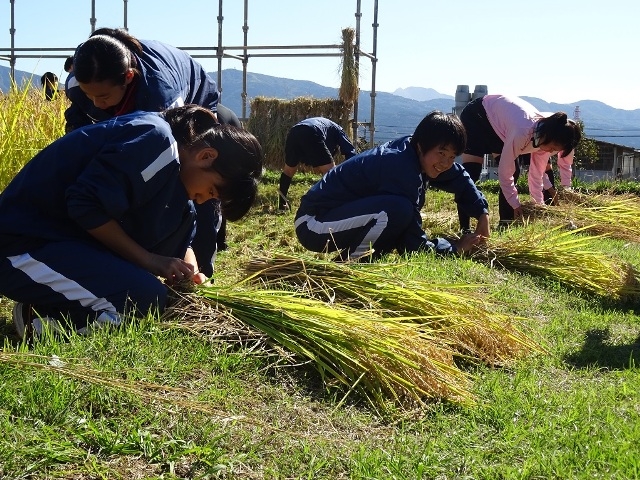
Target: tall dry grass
28 123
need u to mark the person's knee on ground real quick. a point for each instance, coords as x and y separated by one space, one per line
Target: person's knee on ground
354 229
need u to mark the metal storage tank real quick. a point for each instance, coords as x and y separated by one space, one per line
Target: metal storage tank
462 98
479 92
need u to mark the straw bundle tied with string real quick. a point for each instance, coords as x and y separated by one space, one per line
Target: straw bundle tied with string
384 360
562 255
617 216
451 315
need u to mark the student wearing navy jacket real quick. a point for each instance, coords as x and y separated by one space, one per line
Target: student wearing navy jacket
313 141
92 221
115 73
373 200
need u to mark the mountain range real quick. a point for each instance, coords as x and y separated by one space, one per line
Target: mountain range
398 113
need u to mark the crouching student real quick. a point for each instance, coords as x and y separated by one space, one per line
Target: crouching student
373 200
313 142
115 73
90 226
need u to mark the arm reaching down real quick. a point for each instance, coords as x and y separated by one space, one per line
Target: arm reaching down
116 239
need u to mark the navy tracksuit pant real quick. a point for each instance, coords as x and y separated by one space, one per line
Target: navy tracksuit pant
380 223
84 282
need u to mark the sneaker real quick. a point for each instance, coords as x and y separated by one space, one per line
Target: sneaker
504 224
28 325
42 324
23 319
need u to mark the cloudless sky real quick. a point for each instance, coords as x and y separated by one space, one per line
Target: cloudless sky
558 50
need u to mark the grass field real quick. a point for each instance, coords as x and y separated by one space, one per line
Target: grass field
162 399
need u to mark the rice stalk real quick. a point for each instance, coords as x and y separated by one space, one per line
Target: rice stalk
189 311
564 256
381 359
28 123
615 216
451 315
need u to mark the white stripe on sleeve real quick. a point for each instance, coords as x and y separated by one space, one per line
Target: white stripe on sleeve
164 159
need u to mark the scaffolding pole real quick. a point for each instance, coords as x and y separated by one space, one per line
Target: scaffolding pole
245 58
12 56
356 55
219 50
92 20
374 62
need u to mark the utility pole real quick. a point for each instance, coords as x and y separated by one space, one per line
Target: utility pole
92 20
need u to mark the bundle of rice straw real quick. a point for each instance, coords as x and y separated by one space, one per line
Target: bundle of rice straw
563 255
348 91
451 315
617 216
384 360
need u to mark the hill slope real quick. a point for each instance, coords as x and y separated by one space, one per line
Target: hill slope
396 115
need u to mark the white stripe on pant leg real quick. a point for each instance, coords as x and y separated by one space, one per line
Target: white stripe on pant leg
324 228
45 275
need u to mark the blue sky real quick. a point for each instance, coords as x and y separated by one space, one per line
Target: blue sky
558 50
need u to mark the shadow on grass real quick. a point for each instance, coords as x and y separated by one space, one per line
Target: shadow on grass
597 351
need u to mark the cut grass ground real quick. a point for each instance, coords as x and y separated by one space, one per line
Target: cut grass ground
155 400
570 413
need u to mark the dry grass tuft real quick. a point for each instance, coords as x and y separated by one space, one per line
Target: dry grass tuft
162 395
194 313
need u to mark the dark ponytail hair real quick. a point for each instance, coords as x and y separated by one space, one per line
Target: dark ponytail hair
239 160
559 129
106 55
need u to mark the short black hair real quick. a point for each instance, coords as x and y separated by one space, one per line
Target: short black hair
68 63
50 78
439 129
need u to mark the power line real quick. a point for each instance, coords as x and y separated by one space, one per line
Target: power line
614 129
617 136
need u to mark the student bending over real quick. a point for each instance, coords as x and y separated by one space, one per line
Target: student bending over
92 221
313 141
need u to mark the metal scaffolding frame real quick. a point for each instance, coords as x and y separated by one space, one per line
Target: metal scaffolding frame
220 52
